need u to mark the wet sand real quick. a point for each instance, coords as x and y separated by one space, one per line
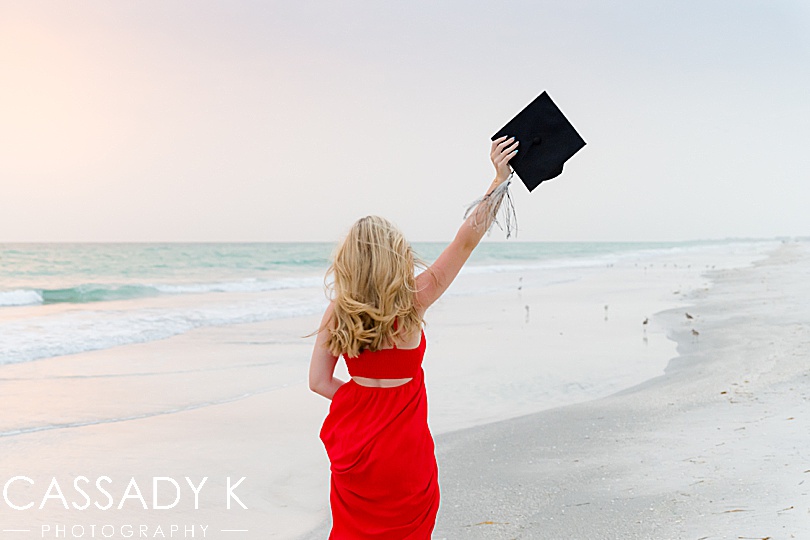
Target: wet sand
717 447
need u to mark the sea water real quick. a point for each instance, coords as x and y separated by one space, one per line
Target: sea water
64 298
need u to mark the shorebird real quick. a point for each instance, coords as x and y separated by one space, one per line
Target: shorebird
695 334
645 321
689 316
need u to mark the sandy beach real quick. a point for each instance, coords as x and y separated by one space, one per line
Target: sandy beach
556 412
716 447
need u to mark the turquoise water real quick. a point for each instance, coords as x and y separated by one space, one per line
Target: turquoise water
93 272
58 299
79 273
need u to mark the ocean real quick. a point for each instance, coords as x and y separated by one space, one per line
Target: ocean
61 298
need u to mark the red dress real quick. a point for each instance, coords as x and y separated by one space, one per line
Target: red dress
384 481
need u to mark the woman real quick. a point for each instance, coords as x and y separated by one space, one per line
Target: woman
384 481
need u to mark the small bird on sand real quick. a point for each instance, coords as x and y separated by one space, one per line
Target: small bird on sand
645 321
689 316
695 334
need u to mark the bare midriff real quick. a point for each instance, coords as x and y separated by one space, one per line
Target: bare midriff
381 383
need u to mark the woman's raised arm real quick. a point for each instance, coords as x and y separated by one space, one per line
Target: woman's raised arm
432 283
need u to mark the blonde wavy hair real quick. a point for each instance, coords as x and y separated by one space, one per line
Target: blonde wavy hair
374 284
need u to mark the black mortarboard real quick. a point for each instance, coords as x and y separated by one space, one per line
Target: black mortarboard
547 140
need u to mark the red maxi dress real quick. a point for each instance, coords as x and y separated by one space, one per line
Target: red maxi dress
384 482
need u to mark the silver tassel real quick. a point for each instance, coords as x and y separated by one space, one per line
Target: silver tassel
490 204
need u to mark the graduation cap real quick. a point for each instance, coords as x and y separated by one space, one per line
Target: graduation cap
547 140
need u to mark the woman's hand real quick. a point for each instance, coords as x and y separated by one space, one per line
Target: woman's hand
502 151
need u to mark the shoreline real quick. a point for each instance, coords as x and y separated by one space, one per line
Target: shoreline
703 451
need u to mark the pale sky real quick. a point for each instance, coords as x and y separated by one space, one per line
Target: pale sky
237 120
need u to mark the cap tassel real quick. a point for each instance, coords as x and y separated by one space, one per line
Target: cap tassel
490 204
